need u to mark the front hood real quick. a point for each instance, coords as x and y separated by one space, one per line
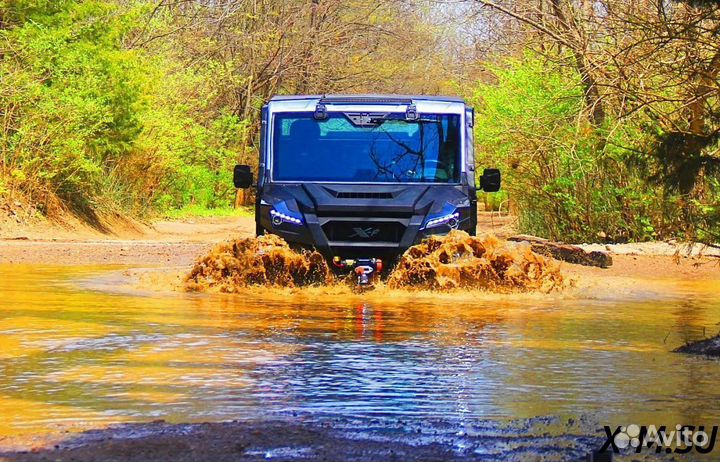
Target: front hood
329 199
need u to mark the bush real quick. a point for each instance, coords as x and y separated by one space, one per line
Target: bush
92 124
569 181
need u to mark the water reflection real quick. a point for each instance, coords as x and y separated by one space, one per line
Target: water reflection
78 358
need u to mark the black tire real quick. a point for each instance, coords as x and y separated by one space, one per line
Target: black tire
259 230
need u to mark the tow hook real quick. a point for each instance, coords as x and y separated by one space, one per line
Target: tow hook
365 269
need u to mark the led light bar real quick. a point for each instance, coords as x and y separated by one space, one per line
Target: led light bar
279 218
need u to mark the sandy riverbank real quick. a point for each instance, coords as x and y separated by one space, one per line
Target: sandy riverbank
180 243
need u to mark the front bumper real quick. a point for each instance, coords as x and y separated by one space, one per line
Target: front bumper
358 236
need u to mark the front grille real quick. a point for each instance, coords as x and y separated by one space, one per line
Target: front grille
364 231
363 195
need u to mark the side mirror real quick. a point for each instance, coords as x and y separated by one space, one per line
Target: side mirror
242 176
490 180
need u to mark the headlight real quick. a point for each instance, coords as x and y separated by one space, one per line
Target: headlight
452 220
278 218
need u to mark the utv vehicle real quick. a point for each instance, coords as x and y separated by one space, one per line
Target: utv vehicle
362 178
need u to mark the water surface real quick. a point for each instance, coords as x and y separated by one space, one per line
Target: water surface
76 357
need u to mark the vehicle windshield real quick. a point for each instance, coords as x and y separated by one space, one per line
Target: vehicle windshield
350 147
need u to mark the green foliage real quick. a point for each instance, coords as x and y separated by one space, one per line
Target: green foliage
142 107
495 202
191 211
567 179
92 124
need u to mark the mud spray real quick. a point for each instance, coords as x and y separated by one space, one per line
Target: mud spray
459 260
264 261
440 263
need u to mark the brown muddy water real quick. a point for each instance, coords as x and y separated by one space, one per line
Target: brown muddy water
75 354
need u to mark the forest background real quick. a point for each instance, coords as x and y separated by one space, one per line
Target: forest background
603 115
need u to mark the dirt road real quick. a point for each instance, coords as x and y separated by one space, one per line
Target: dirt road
164 243
179 243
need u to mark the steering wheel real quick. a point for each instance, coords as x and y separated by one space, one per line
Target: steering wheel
439 164
441 168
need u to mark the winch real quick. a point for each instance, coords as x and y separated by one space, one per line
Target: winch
365 269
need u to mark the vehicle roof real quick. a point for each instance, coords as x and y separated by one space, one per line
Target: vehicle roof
367 98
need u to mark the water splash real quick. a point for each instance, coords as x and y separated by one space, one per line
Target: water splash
440 263
459 260
267 260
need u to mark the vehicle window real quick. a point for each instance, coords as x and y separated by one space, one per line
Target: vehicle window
348 148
